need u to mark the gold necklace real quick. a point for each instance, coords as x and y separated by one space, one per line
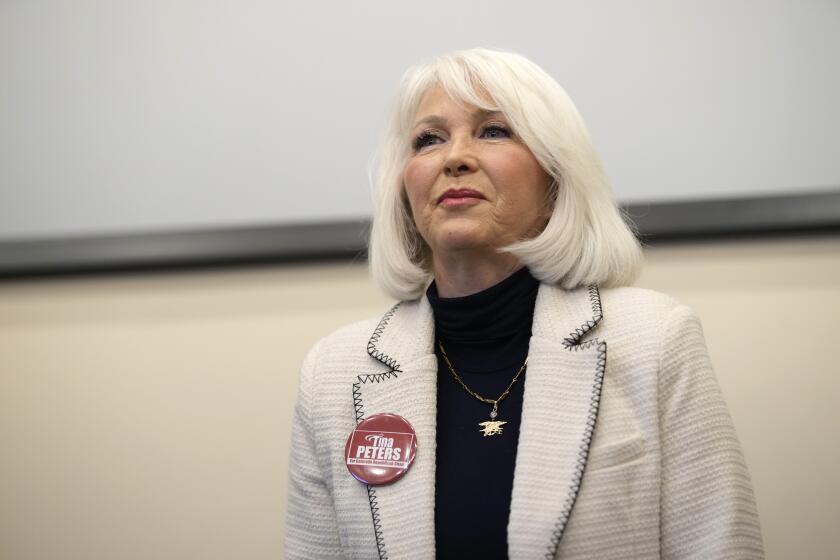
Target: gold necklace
492 427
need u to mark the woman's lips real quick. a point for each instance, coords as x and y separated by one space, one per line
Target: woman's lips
460 197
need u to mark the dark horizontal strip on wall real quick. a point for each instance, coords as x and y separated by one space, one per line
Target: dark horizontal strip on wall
714 218
655 222
184 249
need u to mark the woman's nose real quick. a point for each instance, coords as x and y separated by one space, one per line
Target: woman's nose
461 160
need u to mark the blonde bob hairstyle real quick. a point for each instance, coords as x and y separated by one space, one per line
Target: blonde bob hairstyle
586 240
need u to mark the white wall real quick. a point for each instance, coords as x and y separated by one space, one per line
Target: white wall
147 416
124 115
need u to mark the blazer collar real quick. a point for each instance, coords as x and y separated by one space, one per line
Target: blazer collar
406 332
562 396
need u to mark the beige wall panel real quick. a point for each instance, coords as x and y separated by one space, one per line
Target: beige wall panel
147 416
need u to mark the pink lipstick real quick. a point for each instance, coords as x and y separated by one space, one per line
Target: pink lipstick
460 197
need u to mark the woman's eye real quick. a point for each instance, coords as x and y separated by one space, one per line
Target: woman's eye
426 139
495 131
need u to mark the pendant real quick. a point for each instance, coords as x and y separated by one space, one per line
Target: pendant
492 427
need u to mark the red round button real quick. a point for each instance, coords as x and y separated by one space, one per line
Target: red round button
380 449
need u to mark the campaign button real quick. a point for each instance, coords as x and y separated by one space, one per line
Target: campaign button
380 449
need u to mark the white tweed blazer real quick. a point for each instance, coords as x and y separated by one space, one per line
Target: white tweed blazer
626 448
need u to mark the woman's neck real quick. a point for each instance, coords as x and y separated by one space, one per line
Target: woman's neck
461 275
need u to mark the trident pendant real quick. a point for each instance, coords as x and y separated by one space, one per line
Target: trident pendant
492 427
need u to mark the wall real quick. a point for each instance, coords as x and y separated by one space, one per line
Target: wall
147 416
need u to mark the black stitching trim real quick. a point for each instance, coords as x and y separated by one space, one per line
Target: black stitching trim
377 524
360 414
359 408
377 334
595 300
357 402
573 343
583 454
377 377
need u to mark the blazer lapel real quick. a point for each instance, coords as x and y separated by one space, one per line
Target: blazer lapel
403 512
562 396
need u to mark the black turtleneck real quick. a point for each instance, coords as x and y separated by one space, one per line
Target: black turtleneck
486 338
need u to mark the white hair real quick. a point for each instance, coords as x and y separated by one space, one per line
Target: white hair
586 240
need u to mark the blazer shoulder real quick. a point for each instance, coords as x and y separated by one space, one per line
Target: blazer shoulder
638 309
353 334
346 341
360 332
345 349
630 295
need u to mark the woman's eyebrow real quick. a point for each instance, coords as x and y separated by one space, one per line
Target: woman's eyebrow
437 120
480 114
431 119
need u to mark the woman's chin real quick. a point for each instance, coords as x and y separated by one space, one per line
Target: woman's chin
458 240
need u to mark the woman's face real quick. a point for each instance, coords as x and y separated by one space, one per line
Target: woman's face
471 182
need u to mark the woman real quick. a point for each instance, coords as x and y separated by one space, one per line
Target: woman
556 414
